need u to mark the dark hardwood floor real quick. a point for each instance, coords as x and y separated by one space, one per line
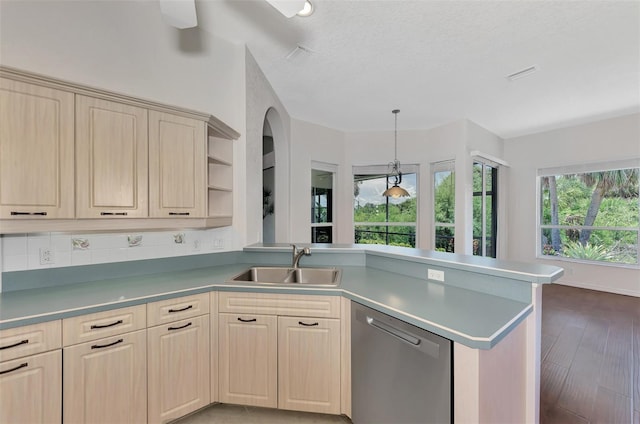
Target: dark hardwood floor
590 357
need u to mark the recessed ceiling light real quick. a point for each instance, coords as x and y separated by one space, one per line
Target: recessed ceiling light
522 73
307 10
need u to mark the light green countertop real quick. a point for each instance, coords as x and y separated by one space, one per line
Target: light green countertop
470 317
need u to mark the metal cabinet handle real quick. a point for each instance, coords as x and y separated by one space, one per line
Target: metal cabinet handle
180 310
107 345
23 365
28 213
179 213
21 342
308 325
247 320
179 328
106 325
114 213
395 332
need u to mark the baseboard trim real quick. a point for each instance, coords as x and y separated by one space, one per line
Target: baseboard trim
588 286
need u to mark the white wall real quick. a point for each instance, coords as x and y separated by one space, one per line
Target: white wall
311 142
125 46
611 139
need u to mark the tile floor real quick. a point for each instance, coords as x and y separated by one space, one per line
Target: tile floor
235 414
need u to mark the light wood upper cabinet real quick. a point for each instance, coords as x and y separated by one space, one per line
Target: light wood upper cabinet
309 364
177 166
111 159
105 381
248 364
31 389
36 141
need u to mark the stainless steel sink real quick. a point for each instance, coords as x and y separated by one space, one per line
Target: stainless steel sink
287 275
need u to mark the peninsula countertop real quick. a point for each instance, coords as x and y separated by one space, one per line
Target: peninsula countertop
470 317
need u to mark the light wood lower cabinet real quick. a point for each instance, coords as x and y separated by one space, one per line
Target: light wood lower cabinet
248 367
105 381
309 364
178 366
31 389
267 357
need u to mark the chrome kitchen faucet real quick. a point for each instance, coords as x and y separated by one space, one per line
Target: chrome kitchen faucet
297 254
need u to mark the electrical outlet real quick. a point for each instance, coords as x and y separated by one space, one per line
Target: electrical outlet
218 243
196 245
47 257
434 274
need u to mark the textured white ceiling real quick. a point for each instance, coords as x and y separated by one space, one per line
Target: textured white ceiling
440 61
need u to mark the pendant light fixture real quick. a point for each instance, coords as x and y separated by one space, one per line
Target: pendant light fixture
394 167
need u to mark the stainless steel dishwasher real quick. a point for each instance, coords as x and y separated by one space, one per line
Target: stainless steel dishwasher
401 374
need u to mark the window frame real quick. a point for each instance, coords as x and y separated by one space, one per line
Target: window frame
331 201
436 167
380 171
582 169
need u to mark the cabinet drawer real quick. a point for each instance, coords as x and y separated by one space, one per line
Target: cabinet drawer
176 309
30 339
281 304
103 324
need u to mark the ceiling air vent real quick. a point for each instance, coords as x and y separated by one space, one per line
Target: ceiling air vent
522 73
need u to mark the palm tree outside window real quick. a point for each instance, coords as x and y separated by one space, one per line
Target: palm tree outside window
591 216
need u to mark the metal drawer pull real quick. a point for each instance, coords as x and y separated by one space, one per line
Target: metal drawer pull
179 328
21 342
180 310
107 345
23 365
28 213
307 325
247 320
179 213
114 213
106 325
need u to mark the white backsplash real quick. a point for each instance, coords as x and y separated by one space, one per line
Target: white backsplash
23 251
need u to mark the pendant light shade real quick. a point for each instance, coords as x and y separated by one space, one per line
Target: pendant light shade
394 167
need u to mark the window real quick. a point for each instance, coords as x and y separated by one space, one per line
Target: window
321 206
590 213
485 213
444 205
384 220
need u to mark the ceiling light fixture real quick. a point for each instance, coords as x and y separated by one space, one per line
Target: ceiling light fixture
307 10
522 73
179 13
288 8
394 167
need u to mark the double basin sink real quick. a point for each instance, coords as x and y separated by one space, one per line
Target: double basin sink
288 275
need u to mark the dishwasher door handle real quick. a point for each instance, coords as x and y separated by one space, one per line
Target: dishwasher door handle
397 333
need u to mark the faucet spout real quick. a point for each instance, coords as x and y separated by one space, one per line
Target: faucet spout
297 255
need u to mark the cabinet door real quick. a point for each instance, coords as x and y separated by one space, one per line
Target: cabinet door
31 389
111 159
105 381
36 141
248 359
178 368
177 160
309 364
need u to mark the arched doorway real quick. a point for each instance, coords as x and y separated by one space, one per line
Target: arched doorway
276 161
